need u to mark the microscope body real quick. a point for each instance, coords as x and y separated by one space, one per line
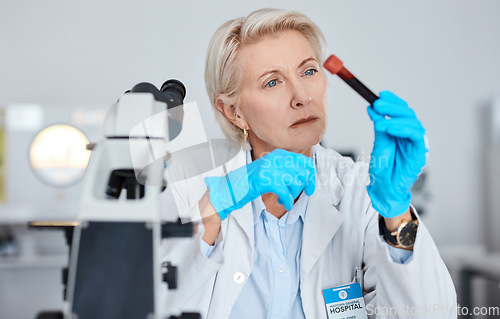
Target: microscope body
115 269
136 135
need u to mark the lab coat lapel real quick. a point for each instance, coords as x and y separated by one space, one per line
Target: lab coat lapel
322 218
321 223
244 218
244 215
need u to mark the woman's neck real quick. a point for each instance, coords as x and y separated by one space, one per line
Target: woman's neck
258 152
272 206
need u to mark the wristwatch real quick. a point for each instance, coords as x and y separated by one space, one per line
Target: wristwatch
404 236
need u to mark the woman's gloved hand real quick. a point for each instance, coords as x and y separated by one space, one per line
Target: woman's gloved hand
280 172
399 154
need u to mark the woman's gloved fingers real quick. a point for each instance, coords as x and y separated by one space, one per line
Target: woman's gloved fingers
391 109
217 201
391 97
426 143
383 125
311 184
310 175
281 188
285 199
398 155
224 213
382 139
295 188
302 174
415 134
374 116
402 128
210 182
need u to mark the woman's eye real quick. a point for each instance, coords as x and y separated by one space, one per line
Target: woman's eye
271 83
310 72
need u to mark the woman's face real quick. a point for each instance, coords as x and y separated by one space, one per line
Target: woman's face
283 94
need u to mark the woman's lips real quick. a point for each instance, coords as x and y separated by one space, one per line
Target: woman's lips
304 121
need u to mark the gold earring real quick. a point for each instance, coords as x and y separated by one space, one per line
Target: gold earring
245 134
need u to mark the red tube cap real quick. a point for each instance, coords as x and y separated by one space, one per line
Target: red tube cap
333 64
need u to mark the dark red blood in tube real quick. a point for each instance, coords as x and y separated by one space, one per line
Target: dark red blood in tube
335 66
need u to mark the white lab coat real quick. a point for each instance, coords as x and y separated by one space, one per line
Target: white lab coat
340 232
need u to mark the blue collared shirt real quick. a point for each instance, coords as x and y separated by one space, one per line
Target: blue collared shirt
272 289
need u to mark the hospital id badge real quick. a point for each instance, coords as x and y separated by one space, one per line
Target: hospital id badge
345 302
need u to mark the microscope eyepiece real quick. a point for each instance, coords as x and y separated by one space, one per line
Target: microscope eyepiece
144 87
172 92
174 87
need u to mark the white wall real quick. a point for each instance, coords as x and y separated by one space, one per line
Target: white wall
441 56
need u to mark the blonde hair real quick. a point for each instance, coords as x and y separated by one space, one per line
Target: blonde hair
222 76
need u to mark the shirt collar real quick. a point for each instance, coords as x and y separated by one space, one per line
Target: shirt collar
298 210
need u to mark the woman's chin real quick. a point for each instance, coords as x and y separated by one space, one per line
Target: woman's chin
293 141
304 142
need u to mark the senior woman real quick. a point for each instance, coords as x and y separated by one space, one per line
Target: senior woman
286 218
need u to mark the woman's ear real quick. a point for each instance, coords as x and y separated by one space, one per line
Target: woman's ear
230 112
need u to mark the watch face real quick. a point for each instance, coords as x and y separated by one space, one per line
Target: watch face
407 235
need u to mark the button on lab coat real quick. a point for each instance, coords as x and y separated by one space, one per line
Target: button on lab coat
340 233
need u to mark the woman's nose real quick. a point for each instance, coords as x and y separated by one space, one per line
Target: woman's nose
300 96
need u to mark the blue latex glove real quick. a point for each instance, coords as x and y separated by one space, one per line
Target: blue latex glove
280 172
398 156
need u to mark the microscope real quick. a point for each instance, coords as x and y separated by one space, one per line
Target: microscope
115 268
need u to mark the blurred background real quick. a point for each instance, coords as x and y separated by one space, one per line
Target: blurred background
67 62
